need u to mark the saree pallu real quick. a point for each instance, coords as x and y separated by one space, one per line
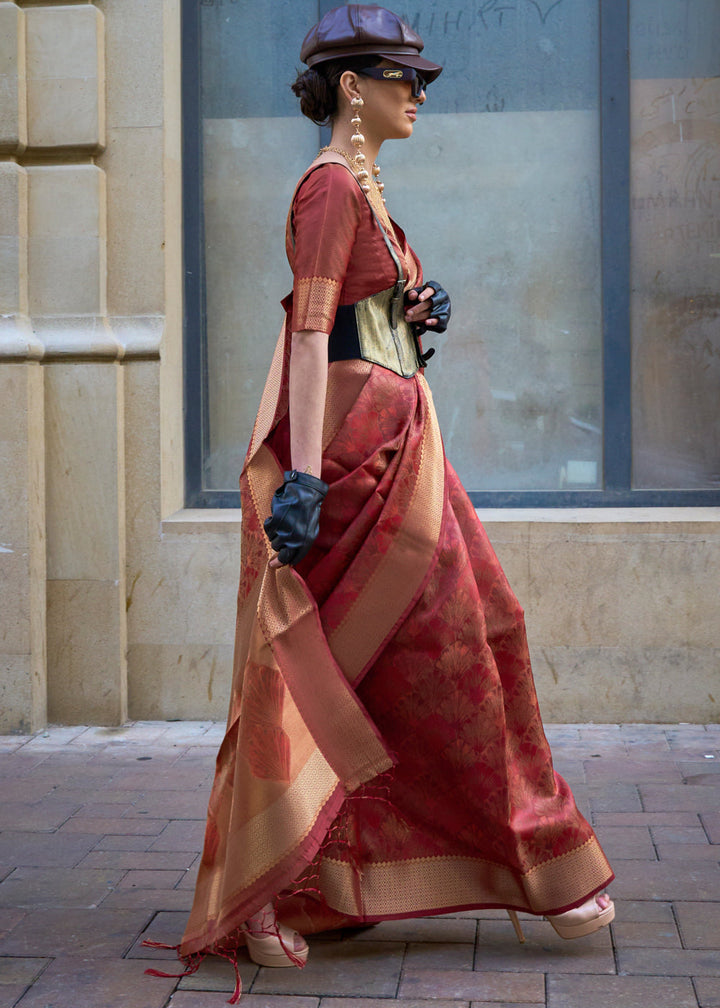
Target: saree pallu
384 754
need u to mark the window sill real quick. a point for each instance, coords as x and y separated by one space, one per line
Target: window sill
194 521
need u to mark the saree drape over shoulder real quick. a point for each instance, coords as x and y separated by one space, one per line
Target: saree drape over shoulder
384 754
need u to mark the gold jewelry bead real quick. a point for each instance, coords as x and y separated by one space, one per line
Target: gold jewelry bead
357 139
376 170
359 158
357 102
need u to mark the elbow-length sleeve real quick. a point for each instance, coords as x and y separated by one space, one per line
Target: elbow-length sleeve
326 214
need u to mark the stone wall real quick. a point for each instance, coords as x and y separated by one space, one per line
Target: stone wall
116 602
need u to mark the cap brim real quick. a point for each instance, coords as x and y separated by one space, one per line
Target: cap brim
429 70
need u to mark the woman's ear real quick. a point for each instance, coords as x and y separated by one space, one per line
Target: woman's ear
349 85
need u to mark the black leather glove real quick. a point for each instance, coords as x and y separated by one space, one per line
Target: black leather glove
295 520
439 308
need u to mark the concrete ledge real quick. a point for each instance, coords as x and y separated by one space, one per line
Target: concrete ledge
189 520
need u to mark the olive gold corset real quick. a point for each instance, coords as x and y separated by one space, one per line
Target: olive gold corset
375 330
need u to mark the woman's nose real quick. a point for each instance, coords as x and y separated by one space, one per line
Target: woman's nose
421 97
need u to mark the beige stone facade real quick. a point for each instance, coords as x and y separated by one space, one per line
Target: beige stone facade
116 601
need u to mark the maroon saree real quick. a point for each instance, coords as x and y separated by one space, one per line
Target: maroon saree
384 754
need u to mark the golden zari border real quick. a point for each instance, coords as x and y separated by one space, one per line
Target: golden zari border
314 302
404 888
257 846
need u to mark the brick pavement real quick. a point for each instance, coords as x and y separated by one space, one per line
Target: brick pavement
100 830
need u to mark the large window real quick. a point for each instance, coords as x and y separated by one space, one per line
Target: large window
568 202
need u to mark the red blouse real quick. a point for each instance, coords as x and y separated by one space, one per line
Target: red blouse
336 250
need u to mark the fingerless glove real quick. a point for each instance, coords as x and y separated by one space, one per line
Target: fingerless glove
439 308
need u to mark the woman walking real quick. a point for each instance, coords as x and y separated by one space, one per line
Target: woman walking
384 754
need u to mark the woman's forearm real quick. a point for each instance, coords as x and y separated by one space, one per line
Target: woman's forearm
308 385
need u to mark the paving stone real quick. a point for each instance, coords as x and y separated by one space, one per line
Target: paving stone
160 779
178 861
543 950
622 842
57 887
206 999
699 925
711 825
340 968
173 805
54 739
134 827
619 798
688 852
475 986
708 991
116 799
439 956
149 899
667 880
21 789
190 877
421 929
19 971
485 1004
620 992
642 934
651 819
181 835
74 932
644 911
165 927
679 834
611 770
217 974
331 1002
44 815
123 843
9 918
104 810
668 962
83 983
680 797
150 880
45 850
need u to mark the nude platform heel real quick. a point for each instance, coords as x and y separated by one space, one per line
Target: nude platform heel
575 923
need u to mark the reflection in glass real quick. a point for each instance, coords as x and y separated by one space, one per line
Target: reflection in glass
675 204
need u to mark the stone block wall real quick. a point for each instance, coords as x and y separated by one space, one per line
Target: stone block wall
67 343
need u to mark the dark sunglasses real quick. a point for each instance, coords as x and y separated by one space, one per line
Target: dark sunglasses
417 82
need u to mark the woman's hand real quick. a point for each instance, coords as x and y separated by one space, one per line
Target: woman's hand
294 524
429 307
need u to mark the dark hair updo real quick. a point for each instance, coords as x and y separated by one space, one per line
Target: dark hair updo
317 87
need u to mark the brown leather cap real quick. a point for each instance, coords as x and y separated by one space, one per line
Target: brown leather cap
360 29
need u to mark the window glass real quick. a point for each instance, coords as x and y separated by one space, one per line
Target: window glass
675 214
498 192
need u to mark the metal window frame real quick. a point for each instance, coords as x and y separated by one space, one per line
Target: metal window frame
614 68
